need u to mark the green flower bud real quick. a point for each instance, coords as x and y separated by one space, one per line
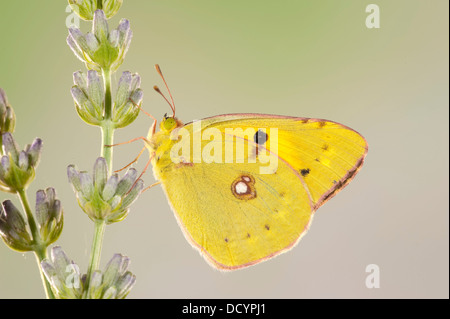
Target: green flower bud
17 168
116 281
49 215
89 94
86 8
68 283
128 99
101 49
13 228
7 116
63 275
105 198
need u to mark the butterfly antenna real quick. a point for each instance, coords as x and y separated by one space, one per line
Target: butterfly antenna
156 88
172 105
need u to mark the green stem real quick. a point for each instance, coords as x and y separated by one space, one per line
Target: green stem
40 249
107 126
108 96
96 251
107 139
41 254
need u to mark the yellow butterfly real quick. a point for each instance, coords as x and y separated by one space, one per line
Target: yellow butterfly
244 187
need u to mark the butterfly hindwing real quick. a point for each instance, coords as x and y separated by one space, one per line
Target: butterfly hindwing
234 215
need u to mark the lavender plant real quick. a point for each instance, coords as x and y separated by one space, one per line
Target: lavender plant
19 230
103 196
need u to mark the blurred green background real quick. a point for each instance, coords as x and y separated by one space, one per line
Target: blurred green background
299 58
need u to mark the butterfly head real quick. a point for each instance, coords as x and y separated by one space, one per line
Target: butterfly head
169 123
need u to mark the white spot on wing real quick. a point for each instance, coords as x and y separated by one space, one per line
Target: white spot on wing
241 188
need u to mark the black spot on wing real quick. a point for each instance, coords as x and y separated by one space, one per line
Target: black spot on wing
305 172
260 137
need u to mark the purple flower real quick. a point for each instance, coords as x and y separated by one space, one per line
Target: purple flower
101 49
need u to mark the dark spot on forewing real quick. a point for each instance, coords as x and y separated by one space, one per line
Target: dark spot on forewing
260 137
305 172
325 147
267 227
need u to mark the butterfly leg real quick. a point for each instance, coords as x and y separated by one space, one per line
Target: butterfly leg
130 141
145 169
133 161
148 187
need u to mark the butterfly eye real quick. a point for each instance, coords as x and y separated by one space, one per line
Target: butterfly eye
169 123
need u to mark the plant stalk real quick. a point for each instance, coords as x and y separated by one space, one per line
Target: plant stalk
107 139
40 249
96 251
107 128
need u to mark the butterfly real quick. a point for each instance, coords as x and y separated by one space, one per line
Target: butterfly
244 187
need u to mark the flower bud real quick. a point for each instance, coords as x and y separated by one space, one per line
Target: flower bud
101 49
7 116
103 198
13 228
116 281
17 168
128 99
86 8
89 94
63 275
49 215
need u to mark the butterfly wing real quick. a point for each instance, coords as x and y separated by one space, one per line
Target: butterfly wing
238 216
234 215
326 154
